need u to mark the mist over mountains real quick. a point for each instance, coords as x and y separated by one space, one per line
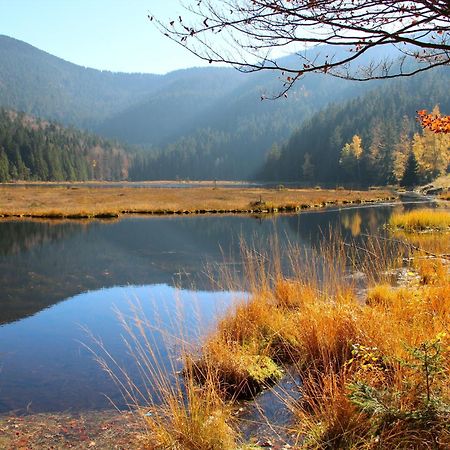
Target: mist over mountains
198 123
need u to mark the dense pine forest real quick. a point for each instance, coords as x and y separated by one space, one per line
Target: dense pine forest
368 140
211 114
33 149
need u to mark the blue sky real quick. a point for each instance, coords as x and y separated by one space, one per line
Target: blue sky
104 34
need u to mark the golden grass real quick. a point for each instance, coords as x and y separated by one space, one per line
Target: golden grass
420 220
334 342
374 368
342 350
78 202
176 411
197 418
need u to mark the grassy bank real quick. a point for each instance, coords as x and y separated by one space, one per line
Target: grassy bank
421 220
374 365
80 202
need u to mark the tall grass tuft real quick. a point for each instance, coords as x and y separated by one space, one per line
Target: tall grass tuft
374 364
178 413
420 220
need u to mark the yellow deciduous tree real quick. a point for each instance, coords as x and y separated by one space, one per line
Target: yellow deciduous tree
351 154
432 151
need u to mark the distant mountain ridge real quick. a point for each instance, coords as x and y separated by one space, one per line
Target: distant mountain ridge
164 111
43 85
200 123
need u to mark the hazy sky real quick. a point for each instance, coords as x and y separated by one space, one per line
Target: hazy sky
104 34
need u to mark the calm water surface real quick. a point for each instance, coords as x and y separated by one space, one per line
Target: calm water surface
58 280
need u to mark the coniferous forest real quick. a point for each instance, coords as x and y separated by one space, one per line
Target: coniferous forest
33 149
367 140
210 123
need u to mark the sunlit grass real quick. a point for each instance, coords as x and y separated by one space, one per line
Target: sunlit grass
46 201
374 366
344 349
421 220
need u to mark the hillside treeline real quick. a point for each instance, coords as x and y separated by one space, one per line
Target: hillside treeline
33 149
368 140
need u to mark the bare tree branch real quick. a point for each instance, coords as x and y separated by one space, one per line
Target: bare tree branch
249 34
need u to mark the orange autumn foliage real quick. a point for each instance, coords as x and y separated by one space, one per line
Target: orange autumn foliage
433 122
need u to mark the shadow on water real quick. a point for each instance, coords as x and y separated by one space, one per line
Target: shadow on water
56 278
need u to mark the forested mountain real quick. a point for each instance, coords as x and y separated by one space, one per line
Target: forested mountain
221 136
33 149
212 115
367 139
43 85
205 123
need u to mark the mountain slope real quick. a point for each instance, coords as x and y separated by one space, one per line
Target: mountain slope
34 149
38 83
202 122
43 85
382 117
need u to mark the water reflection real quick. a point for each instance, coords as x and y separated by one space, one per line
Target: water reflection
45 368
55 277
42 263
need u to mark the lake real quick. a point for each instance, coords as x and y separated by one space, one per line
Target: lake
63 282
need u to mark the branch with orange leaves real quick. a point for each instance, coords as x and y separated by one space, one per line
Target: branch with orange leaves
433 122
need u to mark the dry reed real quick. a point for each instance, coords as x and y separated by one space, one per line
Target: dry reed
373 365
80 202
420 220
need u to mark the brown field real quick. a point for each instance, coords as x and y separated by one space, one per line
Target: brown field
78 201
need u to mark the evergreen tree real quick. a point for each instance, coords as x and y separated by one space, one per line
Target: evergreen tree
411 176
31 149
307 168
4 166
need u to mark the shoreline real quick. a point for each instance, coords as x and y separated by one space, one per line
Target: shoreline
105 429
83 202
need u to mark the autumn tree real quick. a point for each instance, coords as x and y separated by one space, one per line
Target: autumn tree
351 155
434 122
251 35
432 151
375 155
401 151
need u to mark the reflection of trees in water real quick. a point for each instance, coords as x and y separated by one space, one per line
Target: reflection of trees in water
43 263
352 222
20 236
345 223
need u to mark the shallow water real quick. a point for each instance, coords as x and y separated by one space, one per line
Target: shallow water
59 279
